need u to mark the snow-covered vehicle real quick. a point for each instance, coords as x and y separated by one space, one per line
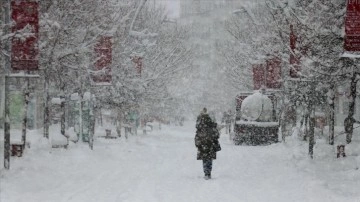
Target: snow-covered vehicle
256 122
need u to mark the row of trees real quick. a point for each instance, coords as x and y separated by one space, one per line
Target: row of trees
311 31
68 33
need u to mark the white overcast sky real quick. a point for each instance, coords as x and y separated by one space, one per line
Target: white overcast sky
173 6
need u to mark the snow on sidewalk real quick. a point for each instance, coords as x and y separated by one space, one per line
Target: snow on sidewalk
162 167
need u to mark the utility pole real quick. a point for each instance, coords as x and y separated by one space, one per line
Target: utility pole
6 56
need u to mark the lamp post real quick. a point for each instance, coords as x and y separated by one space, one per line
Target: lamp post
6 56
19 63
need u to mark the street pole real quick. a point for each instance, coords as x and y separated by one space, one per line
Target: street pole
26 106
6 56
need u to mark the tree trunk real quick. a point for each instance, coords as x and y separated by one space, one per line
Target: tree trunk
101 117
306 121
63 110
46 109
331 99
92 125
311 136
2 101
81 116
67 112
283 125
311 116
119 121
351 107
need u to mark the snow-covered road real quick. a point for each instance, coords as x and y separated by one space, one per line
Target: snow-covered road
162 167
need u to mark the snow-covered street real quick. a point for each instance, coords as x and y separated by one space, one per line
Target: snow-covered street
162 166
98 101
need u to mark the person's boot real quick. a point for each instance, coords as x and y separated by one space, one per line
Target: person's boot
207 176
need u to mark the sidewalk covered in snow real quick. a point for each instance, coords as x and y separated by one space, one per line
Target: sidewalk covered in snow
161 166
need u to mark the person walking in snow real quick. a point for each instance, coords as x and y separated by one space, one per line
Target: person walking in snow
227 120
206 141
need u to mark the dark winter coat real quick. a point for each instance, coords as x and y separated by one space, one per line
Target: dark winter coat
206 138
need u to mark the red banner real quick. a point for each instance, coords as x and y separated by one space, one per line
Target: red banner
352 26
258 76
294 66
267 75
25 51
103 53
273 73
293 38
